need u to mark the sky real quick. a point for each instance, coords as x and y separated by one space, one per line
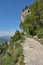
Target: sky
10 15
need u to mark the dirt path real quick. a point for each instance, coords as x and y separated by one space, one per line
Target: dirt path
33 52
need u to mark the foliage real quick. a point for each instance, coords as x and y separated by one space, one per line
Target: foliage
8 61
26 7
41 41
32 25
14 51
17 36
3 48
40 33
34 21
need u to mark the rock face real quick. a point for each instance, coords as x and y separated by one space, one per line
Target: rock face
33 52
24 14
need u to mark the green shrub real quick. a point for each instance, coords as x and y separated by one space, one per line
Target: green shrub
41 41
8 61
40 33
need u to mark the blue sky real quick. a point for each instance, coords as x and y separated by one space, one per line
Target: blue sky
10 15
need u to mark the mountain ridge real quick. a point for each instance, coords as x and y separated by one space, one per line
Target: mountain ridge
4 39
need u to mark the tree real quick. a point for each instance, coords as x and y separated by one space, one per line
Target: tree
33 21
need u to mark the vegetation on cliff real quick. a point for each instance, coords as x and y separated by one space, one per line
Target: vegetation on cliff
33 23
12 54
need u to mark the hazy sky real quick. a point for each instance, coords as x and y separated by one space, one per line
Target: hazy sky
10 15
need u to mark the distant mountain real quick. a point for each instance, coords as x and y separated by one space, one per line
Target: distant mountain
4 39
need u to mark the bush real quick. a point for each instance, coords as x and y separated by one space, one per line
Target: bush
8 61
41 41
40 33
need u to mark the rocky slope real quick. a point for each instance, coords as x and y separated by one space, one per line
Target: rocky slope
33 52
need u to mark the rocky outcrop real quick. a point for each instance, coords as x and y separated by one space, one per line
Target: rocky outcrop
24 14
